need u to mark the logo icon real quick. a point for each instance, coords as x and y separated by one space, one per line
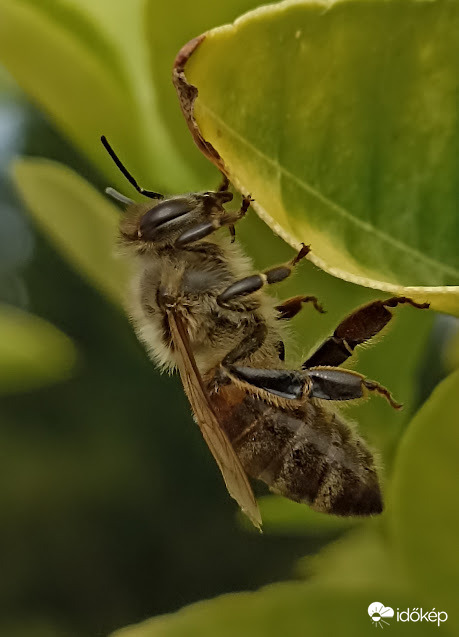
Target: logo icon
379 613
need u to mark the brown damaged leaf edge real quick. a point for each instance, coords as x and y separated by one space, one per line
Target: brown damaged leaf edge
187 93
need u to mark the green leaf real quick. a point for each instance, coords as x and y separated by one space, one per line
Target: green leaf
342 123
282 516
80 222
33 353
424 518
290 609
73 63
451 351
360 559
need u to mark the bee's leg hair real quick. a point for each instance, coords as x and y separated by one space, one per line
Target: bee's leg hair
203 229
252 283
331 383
355 329
281 350
283 383
324 383
290 307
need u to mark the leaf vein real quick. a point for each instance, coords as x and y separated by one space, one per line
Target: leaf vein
368 227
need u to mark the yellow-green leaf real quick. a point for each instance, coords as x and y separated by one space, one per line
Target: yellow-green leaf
342 123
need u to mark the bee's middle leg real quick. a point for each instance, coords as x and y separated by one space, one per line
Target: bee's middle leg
255 282
250 343
291 307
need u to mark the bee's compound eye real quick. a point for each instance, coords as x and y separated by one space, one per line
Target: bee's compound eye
161 214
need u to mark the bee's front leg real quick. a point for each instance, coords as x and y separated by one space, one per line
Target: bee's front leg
224 183
205 228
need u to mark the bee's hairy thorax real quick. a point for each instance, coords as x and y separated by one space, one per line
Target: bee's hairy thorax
194 278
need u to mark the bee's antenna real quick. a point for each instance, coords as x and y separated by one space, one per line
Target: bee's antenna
118 196
127 174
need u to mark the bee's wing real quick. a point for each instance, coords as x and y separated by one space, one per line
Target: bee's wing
235 478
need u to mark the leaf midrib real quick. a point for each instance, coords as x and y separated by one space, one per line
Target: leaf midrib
395 243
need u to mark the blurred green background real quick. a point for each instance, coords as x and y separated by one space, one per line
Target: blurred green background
112 508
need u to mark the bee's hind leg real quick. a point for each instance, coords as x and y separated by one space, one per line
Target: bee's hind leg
326 383
357 328
331 383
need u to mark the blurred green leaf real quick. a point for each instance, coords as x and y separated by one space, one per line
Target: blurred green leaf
168 27
290 609
33 353
72 62
345 578
451 352
80 222
342 124
359 559
282 516
28 627
424 519
365 559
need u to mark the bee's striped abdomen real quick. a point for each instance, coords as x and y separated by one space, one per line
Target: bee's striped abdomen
309 454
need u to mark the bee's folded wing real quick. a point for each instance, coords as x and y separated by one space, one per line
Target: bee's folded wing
235 478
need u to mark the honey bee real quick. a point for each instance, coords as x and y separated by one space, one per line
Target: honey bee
198 308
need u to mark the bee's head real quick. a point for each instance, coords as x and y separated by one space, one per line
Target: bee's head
161 223
172 216
145 225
